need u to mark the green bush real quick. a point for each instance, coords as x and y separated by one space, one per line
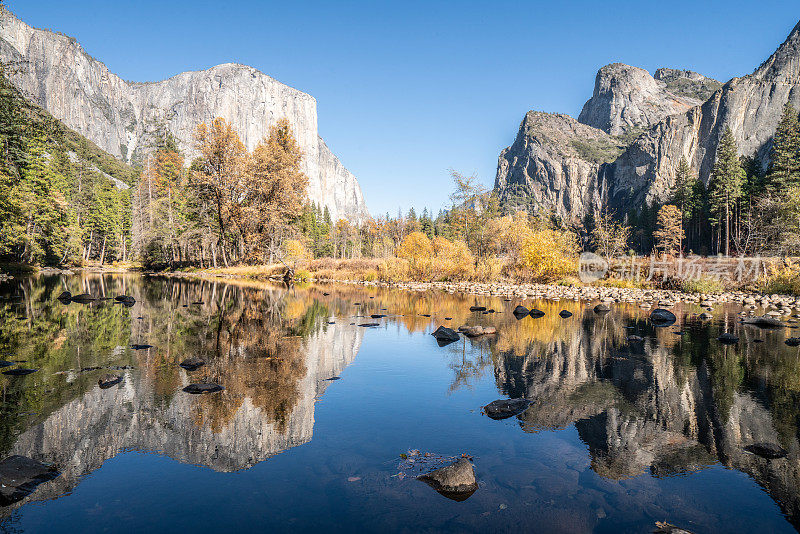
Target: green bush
702 285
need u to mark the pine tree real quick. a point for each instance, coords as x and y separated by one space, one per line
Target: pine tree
784 166
725 186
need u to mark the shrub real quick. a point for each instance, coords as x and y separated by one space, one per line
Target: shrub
417 249
783 280
549 254
702 285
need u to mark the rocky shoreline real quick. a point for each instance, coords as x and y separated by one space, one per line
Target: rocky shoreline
777 305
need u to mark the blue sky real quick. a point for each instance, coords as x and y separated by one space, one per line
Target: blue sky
407 90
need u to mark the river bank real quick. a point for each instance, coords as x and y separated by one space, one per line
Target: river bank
774 304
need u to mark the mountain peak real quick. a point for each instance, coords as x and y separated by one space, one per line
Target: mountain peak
784 64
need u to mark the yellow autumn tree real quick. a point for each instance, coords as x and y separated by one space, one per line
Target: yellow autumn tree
418 250
220 175
549 254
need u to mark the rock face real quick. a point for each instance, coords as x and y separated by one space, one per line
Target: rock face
629 99
654 121
121 117
554 163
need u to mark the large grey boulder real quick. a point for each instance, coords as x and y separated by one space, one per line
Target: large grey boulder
455 481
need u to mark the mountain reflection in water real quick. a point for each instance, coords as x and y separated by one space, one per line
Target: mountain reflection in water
673 405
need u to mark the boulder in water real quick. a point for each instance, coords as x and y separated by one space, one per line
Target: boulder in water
445 335
19 371
662 317
137 346
477 308
728 339
83 298
764 321
65 295
770 451
793 341
602 308
505 408
109 380
455 481
192 364
202 388
520 312
19 476
536 313
565 314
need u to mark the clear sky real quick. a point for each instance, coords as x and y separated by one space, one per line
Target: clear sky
407 90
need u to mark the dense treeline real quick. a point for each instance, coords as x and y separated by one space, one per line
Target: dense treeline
62 200
744 209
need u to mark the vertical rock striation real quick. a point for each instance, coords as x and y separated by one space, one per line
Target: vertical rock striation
122 117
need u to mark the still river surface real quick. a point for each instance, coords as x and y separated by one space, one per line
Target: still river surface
316 412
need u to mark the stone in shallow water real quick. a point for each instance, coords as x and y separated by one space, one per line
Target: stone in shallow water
83 298
662 317
520 312
109 380
20 371
19 476
5 363
769 451
505 408
764 322
141 347
565 314
793 341
199 389
477 308
65 295
455 481
728 339
192 364
536 313
602 308
445 335
368 325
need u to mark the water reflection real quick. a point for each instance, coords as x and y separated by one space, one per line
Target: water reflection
670 405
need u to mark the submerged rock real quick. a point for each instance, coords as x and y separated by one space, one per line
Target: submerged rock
477 308
793 341
19 476
19 371
662 317
662 527
520 312
5 363
202 388
635 339
369 325
192 364
602 308
728 339
565 314
769 451
536 313
505 408
137 346
455 481
377 316
109 380
764 321
65 295
83 298
475 331
706 316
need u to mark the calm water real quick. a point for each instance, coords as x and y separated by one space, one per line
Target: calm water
616 439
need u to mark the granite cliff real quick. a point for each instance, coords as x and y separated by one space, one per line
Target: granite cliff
654 121
121 117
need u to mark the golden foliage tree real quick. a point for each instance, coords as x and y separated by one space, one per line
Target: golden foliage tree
669 229
222 163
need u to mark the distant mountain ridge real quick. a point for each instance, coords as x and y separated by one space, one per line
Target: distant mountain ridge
122 117
654 122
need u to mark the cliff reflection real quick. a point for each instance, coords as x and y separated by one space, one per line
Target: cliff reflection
270 347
